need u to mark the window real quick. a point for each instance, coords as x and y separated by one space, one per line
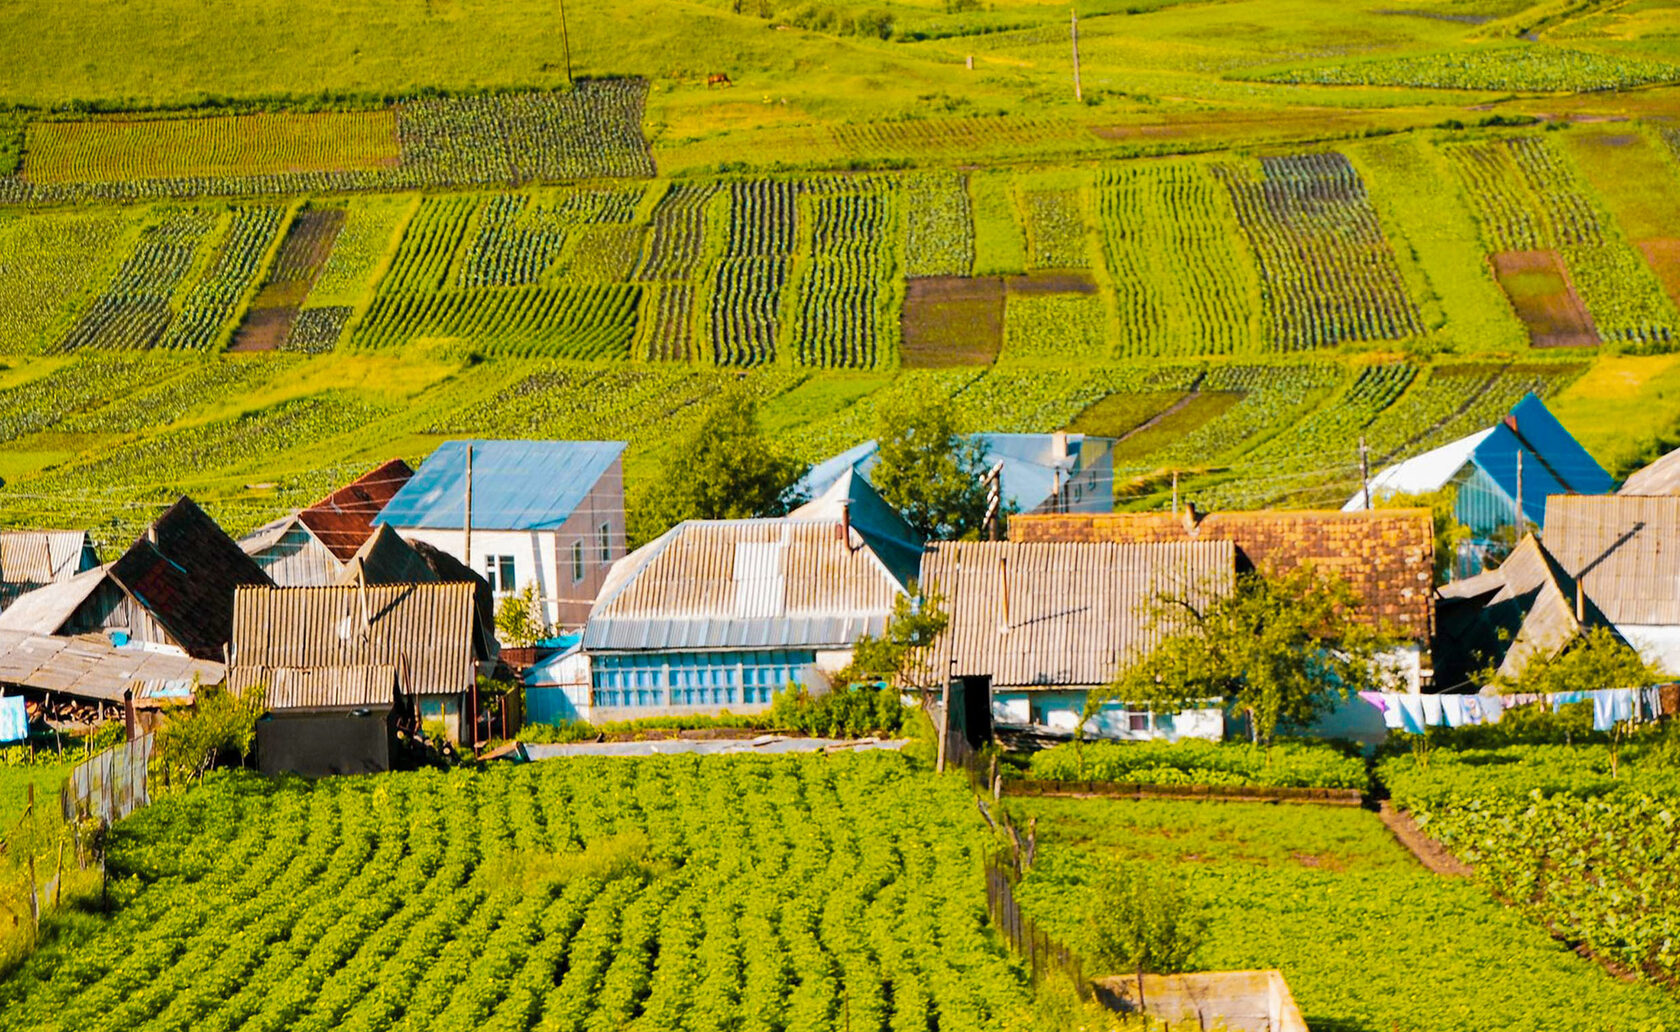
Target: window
1138 722
603 537
577 561
498 570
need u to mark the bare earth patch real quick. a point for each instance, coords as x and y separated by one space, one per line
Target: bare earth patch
952 321
1664 258
1540 291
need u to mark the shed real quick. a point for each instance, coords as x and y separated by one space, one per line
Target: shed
312 546
90 669
429 633
31 559
548 513
330 720
173 587
718 615
1036 626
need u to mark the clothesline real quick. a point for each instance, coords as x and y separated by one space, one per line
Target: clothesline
1413 714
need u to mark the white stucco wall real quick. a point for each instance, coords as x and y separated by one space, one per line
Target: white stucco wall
1658 644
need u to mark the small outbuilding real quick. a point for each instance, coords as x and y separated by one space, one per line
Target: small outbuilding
331 720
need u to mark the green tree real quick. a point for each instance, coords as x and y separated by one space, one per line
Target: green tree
1143 923
925 469
520 619
722 469
1280 649
896 657
219 724
1597 659
1449 533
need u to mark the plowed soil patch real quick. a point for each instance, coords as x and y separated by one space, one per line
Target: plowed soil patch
1664 257
1539 289
952 321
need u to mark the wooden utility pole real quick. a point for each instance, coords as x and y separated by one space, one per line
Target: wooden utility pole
466 517
1365 471
1175 492
1077 94
1522 521
565 42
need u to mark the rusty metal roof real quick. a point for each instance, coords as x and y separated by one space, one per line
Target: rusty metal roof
765 583
343 520
292 688
1062 614
426 631
1624 549
92 668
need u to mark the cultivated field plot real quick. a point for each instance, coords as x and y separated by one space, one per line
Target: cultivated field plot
952 321
1519 67
744 893
1329 897
1544 299
504 139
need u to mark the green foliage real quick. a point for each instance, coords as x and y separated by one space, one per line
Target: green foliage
1528 67
219 726
1597 659
938 228
1195 762
570 731
520 618
918 619
1141 921
579 893
1280 649
723 469
1067 329
1551 760
845 711
927 470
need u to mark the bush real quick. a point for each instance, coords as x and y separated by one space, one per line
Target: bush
220 726
840 713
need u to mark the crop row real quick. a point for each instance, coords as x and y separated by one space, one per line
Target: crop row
133 311
502 139
677 239
1273 398
1056 229
48 263
747 289
577 322
1184 282
1327 272
840 321
938 225
170 390
208 310
81 386
1527 67
1323 449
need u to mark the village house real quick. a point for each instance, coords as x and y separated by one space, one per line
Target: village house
1602 561
432 636
1054 472
719 615
1515 464
312 545
1035 627
1385 556
1661 477
544 513
172 589
31 559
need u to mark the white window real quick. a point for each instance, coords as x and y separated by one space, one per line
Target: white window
604 538
498 570
577 562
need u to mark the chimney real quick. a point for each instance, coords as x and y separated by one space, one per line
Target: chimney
1192 518
1059 446
1580 603
844 531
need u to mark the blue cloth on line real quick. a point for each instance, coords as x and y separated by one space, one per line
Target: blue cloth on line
1411 713
14 720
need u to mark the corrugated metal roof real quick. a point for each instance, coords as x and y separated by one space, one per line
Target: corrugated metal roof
894 540
1624 549
1659 478
770 583
93 668
43 556
1045 614
45 610
1431 471
385 558
517 485
289 688
343 520
425 631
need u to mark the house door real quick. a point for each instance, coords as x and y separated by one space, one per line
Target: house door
977 710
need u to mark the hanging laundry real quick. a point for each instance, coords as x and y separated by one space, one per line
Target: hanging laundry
1432 716
1411 712
1452 711
1390 710
14 720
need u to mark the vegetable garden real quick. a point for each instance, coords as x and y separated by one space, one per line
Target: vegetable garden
755 893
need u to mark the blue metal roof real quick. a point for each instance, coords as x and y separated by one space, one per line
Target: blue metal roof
517 485
1030 465
1553 462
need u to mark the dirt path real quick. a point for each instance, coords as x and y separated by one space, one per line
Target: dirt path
1430 853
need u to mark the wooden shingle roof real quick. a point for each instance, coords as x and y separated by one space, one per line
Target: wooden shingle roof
1387 556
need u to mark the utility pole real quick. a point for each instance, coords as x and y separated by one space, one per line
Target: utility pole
1175 492
466 518
565 41
1077 94
994 500
1365 471
1522 521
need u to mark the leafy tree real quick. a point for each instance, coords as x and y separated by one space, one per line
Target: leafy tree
1279 648
917 621
1449 533
1143 923
520 619
930 473
722 469
219 724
